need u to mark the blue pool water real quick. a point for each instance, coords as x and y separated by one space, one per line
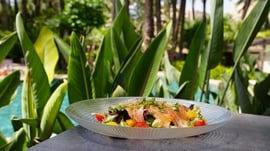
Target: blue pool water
14 109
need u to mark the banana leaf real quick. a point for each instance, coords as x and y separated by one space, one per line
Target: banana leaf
125 30
47 51
63 47
17 142
40 83
8 87
29 106
31 122
126 71
216 44
3 140
211 56
102 78
6 43
145 72
243 96
190 70
118 43
261 92
51 111
79 75
62 123
246 35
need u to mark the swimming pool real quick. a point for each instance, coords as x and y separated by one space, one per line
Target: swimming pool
14 109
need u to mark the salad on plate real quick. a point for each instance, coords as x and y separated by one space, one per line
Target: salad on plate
149 113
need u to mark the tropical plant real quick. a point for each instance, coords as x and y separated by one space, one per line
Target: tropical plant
41 102
121 67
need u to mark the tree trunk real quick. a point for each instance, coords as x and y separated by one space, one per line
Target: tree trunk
182 24
61 5
113 9
174 22
25 13
148 22
37 10
193 9
4 17
16 8
204 9
158 16
245 8
127 6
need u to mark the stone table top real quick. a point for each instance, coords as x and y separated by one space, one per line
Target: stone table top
245 132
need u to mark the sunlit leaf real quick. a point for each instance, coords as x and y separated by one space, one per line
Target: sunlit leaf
147 68
8 87
47 51
6 43
63 47
101 72
62 123
216 44
79 75
29 105
51 110
39 79
247 33
190 69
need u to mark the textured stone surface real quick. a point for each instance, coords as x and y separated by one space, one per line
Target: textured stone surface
243 133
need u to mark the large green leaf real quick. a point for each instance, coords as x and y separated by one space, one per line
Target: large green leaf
261 91
47 51
17 142
8 86
79 75
125 73
190 70
171 73
243 96
250 28
216 44
41 88
6 43
247 33
211 56
125 29
146 70
101 72
63 47
62 123
29 105
119 50
51 111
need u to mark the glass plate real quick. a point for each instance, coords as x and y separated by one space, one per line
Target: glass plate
82 111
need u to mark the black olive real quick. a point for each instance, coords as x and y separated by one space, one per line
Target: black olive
191 106
145 114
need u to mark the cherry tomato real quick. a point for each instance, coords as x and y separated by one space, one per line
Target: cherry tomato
141 124
199 123
99 117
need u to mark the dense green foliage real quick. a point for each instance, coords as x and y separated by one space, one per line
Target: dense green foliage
81 16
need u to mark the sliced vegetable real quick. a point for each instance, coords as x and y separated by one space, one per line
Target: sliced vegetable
200 122
99 117
130 122
141 124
